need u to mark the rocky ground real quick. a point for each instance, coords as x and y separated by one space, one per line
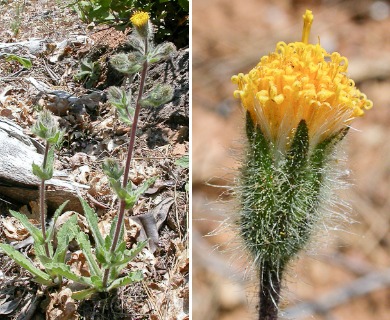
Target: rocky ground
51 36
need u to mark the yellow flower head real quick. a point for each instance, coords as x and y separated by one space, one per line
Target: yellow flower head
300 81
139 19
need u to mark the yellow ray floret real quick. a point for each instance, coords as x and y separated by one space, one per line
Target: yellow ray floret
139 19
300 81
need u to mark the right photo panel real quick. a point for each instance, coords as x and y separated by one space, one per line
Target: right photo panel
290 160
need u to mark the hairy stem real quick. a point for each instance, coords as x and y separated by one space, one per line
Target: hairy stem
270 283
42 202
130 149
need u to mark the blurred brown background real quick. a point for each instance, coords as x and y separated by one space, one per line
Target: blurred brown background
349 276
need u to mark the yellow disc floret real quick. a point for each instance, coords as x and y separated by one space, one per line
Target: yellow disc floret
300 81
139 19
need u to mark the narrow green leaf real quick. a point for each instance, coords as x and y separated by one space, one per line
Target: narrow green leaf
33 230
85 245
97 282
131 254
92 220
107 242
57 213
101 256
64 236
131 278
26 63
83 294
41 174
40 252
26 263
64 270
50 163
113 227
133 195
117 187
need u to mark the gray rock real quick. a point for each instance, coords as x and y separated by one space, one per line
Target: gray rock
17 154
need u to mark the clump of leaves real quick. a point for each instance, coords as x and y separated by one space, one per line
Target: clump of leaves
101 258
169 16
89 73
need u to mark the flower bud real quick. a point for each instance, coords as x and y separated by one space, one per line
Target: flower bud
127 63
161 52
47 128
159 95
112 169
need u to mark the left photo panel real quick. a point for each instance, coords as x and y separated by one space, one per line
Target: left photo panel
94 160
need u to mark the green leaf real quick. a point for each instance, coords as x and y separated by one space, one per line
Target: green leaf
324 148
131 254
133 195
107 243
26 63
101 256
113 226
92 220
26 263
131 278
97 282
117 187
40 252
85 246
183 162
56 139
41 174
49 163
64 270
145 186
83 294
33 230
50 231
65 235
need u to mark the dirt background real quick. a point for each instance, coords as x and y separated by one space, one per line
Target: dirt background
230 37
92 134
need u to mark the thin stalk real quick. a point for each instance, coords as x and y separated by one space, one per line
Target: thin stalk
270 284
130 149
42 202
